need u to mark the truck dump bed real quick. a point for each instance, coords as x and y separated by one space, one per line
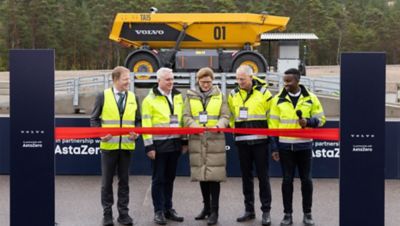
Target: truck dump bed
200 30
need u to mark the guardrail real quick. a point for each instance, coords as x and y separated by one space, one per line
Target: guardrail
187 80
228 80
225 81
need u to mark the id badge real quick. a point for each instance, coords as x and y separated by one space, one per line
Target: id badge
203 119
243 113
173 121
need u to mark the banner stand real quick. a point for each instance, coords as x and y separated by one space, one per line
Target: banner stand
362 139
32 137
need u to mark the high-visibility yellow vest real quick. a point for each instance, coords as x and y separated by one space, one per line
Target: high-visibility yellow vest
111 118
258 103
213 109
283 115
156 112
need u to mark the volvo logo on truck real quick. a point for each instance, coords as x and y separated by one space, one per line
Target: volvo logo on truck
160 39
149 32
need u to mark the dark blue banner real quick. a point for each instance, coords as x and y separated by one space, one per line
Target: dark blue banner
362 139
81 157
32 137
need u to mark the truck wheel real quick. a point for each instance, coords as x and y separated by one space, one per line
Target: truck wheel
253 61
142 62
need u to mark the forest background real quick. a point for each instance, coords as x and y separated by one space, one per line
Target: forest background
79 29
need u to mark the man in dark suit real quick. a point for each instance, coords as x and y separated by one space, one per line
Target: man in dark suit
116 107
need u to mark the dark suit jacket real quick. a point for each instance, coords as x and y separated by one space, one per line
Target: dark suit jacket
95 120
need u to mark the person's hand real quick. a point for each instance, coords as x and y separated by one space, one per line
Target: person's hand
106 138
185 148
133 136
303 122
275 156
151 154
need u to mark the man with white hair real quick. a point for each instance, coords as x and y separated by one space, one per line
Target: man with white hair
163 107
249 103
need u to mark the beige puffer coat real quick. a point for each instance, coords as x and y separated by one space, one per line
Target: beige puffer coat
207 152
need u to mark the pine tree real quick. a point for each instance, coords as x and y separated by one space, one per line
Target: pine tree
79 29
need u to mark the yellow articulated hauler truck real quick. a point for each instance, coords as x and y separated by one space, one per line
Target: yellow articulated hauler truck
188 41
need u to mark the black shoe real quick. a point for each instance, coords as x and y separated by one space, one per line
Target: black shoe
266 219
307 220
159 218
213 218
108 220
171 214
287 220
125 219
203 215
246 217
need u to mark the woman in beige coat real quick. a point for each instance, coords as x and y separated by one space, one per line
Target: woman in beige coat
206 106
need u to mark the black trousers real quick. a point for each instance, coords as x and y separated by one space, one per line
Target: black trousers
116 161
289 161
162 186
210 191
258 155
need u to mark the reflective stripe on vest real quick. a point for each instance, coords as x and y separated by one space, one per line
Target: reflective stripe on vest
111 122
161 137
115 140
111 119
213 109
283 114
250 137
291 140
256 104
253 117
156 113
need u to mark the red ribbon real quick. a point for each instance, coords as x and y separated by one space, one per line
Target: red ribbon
94 132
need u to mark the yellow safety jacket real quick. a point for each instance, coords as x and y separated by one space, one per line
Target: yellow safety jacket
213 109
157 111
283 115
111 118
257 105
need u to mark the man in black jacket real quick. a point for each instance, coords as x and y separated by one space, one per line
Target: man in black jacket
163 107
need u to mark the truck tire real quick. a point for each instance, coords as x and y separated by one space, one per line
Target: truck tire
252 60
142 62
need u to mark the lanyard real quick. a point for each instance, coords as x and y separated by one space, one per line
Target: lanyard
204 103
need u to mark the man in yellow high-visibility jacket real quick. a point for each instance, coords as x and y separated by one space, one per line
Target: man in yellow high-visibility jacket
116 107
163 107
295 107
249 104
